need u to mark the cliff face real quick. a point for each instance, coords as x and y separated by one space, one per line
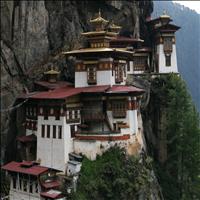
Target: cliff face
34 32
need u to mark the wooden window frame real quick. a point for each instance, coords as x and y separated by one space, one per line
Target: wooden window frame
59 132
128 66
72 130
119 73
92 74
43 131
167 44
168 60
48 131
54 131
119 109
46 113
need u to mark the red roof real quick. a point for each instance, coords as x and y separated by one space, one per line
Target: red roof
51 184
53 194
68 91
95 89
26 167
124 89
27 138
59 93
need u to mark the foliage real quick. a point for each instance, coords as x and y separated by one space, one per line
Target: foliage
180 174
114 175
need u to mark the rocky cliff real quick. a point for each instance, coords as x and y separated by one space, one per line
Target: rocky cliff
33 33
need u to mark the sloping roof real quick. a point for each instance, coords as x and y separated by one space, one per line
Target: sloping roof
27 138
51 184
62 93
26 167
96 50
95 89
124 89
53 194
126 39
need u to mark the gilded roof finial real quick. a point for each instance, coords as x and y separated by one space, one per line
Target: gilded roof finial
99 12
165 15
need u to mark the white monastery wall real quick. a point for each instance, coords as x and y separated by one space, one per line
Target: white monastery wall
162 65
81 79
53 152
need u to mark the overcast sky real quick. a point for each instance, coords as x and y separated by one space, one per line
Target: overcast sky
194 4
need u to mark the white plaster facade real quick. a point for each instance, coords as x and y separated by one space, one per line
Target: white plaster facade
162 68
53 152
131 120
19 193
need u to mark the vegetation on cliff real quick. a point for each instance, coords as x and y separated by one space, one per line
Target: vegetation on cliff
179 173
115 175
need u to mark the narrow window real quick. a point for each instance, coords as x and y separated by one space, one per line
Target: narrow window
128 66
119 73
48 131
72 127
36 187
46 113
76 114
70 114
91 74
59 132
168 44
119 109
25 185
43 131
30 188
14 182
20 183
168 60
57 113
54 131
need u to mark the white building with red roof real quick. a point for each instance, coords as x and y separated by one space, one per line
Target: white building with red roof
64 120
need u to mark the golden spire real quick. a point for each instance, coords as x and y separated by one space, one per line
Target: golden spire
52 71
115 28
99 19
164 15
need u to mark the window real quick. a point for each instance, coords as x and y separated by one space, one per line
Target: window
48 131
91 74
14 182
30 188
128 66
72 127
119 109
54 131
140 63
168 60
57 113
25 185
20 183
59 132
36 188
70 114
43 131
167 44
118 73
45 113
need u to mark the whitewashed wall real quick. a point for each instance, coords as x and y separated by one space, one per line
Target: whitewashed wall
162 65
